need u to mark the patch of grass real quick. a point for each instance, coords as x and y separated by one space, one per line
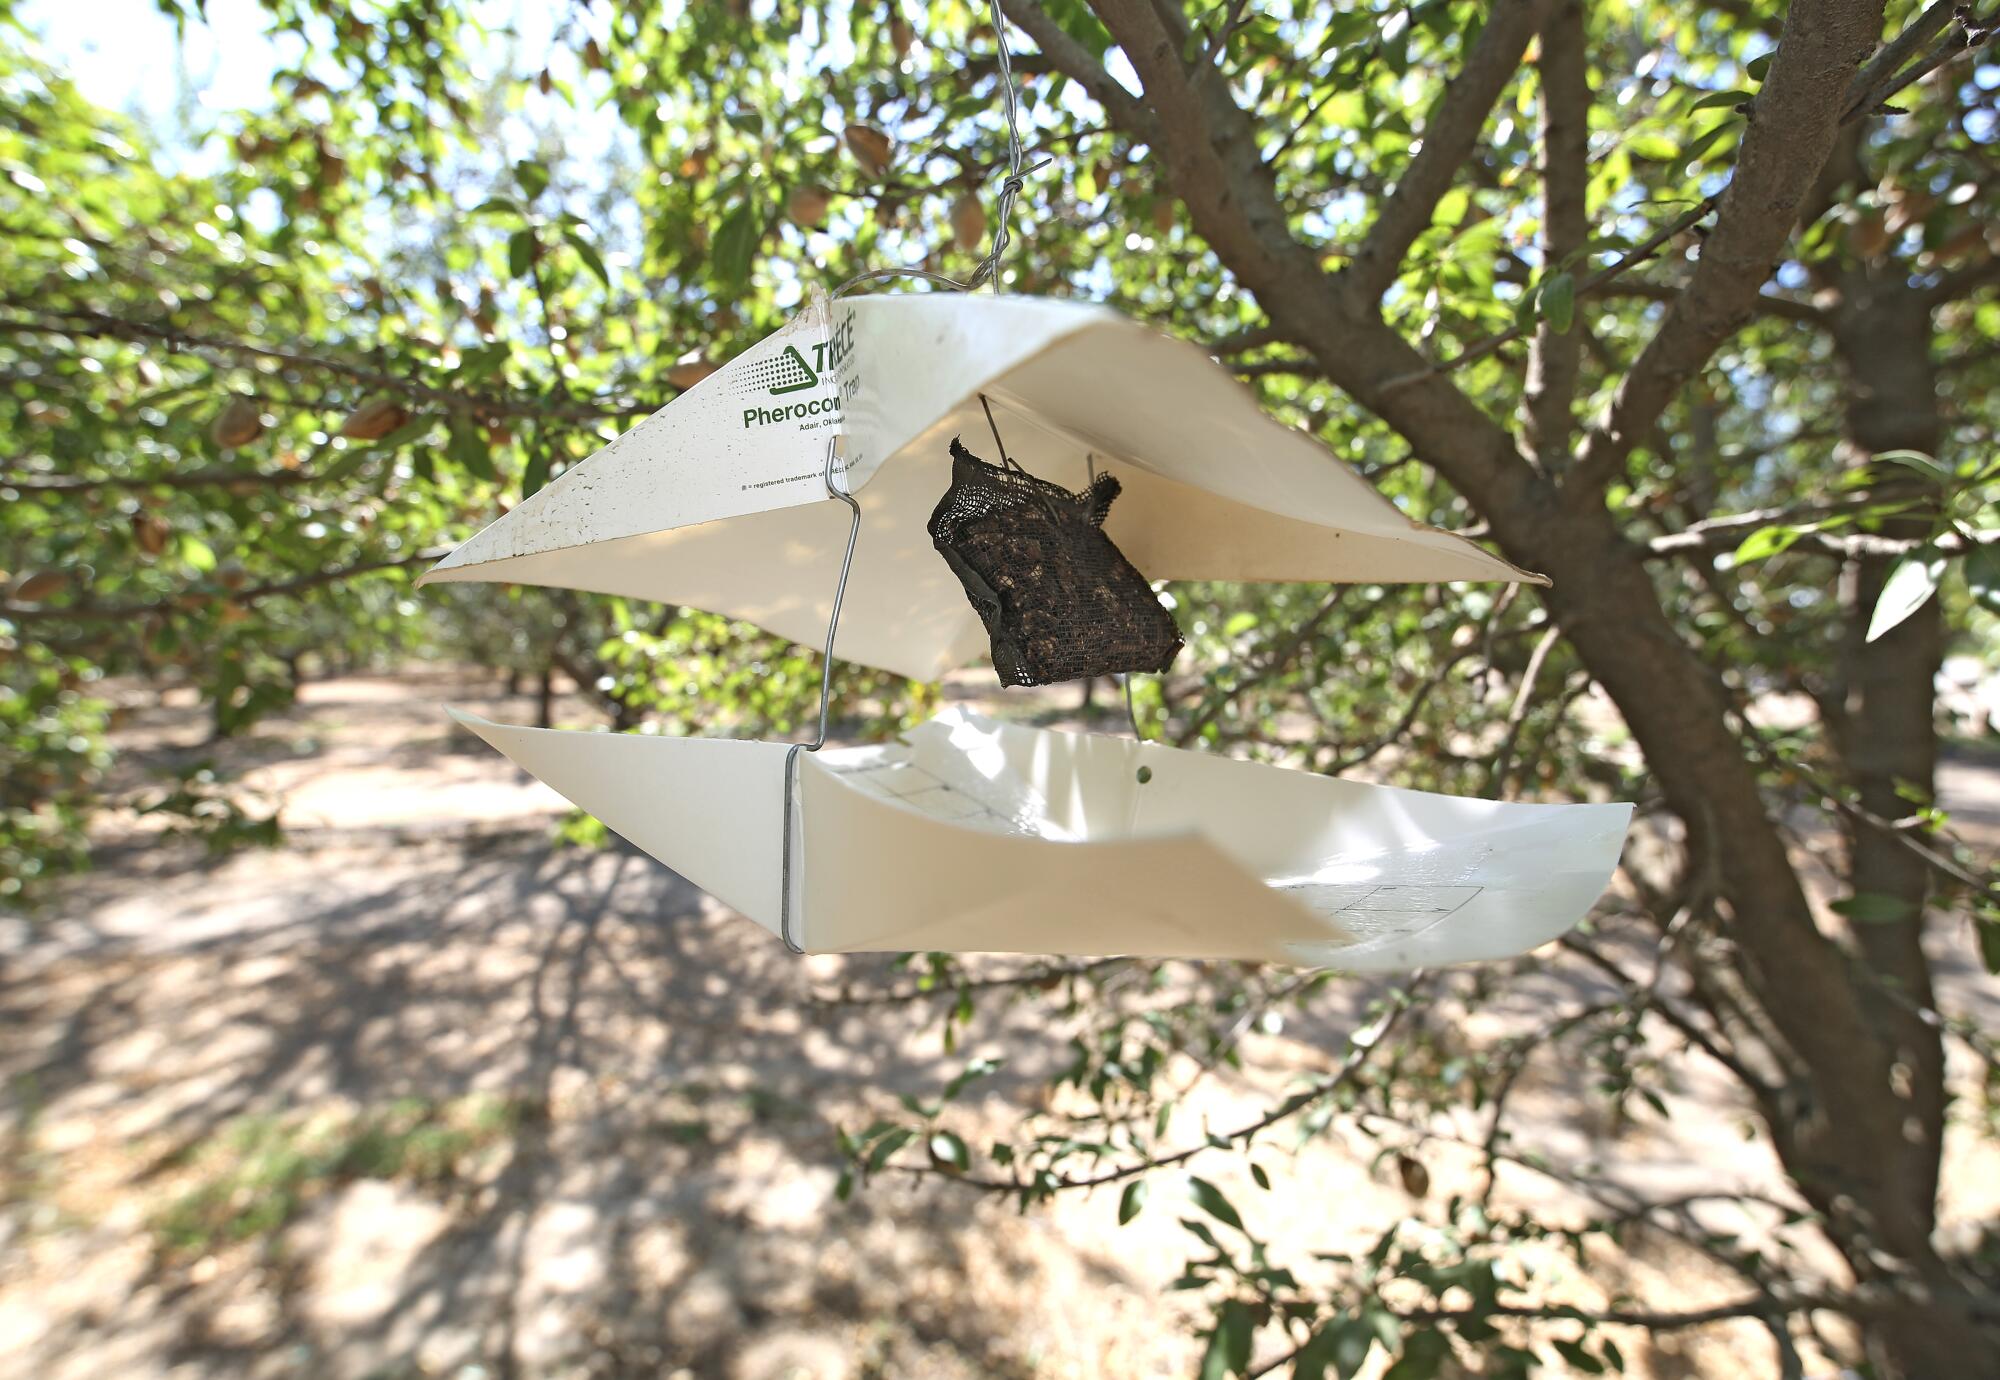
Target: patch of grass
259 1172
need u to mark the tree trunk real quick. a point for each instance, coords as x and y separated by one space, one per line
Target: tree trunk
1837 1110
1883 727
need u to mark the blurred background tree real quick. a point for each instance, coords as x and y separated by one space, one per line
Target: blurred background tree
1691 307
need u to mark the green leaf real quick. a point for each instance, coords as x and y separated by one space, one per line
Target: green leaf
1989 942
537 472
1348 1342
197 553
1383 1324
976 1068
587 251
1559 302
1228 1350
1132 1200
1982 575
468 450
1209 1199
1424 1354
1315 1357
949 1152
881 1150
1872 908
1908 588
1766 542
1578 1358
1918 461
1075 18
734 248
1707 140
1758 67
533 177
1713 99
521 252
348 462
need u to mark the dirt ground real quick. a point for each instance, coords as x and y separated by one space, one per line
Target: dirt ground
230 1084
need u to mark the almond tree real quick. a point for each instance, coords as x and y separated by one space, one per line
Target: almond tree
1689 307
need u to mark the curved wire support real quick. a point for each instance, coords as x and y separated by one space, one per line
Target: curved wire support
825 699
988 271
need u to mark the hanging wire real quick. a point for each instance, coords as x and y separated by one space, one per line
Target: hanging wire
825 699
1005 459
987 271
1011 188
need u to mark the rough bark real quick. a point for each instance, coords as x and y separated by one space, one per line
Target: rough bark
1837 1119
1555 359
1884 729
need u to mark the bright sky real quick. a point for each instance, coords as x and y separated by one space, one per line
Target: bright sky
127 56
124 54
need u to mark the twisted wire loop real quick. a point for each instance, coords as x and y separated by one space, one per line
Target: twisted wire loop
1011 187
988 271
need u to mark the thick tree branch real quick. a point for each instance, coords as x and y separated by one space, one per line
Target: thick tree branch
1885 76
1448 140
1074 61
1556 359
213 477
1767 304
1791 132
1865 92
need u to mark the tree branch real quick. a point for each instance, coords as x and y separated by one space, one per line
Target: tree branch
1588 287
1869 86
1717 536
98 324
1881 80
1360 1048
1074 61
1767 303
1556 359
1792 130
1760 1306
1448 140
216 476
93 612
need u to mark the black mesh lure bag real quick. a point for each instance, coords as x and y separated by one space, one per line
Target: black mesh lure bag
1059 601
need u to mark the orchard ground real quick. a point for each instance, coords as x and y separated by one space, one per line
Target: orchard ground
422 1092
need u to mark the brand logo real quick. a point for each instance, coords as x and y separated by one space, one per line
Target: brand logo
784 372
789 412
789 371
839 341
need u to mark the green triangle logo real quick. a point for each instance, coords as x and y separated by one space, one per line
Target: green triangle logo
791 373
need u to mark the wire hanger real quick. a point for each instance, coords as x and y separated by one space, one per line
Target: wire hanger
988 271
